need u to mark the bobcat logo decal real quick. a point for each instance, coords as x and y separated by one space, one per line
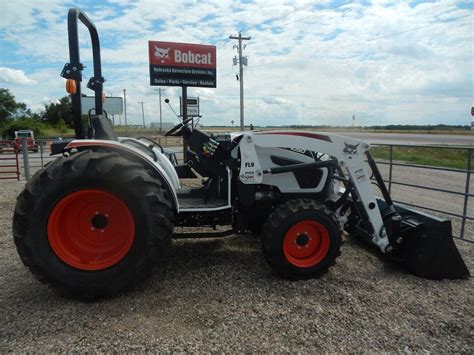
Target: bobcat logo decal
350 149
162 53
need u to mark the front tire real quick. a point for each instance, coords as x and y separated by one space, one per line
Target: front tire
92 224
301 240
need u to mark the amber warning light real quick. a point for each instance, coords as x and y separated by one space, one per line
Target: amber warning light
71 86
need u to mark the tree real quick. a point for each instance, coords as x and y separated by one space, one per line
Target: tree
61 126
9 127
10 109
54 112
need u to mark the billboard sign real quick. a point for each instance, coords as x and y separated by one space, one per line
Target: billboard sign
192 106
112 105
182 64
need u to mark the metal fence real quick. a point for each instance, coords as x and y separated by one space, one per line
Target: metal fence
36 161
465 174
9 163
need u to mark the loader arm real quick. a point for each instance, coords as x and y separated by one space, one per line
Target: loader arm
350 155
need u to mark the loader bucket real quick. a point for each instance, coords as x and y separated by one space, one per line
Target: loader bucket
428 250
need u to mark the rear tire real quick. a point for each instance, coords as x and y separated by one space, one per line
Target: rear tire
301 240
92 224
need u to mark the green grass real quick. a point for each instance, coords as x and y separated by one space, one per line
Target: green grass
447 158
53 132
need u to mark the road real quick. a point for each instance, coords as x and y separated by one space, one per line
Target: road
410 138
389 138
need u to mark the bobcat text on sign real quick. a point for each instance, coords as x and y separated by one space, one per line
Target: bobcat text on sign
192 58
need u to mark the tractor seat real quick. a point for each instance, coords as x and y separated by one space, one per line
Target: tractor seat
102 128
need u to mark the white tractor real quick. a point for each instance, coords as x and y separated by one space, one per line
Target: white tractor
98 219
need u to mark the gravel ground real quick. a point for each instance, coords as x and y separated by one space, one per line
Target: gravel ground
219 295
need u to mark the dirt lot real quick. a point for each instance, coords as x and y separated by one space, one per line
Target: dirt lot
219 295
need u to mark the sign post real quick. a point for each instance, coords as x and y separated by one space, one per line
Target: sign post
184 90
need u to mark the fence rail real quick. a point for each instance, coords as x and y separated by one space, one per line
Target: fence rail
38 160
466 194
9 164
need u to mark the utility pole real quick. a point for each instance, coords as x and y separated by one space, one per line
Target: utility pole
143 112
113 116
160 90
353 121
242 61
125 109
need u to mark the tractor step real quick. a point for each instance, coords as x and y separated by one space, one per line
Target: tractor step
191 202
191 235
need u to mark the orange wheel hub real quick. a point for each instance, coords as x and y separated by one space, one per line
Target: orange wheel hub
91 229
306 243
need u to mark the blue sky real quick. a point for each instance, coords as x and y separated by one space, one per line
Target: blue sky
310 62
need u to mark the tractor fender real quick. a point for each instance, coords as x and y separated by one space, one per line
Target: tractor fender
133 152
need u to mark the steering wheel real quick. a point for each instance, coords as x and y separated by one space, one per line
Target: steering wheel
178 128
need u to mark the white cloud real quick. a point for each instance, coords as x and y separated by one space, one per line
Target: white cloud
314 65
14 76
22 15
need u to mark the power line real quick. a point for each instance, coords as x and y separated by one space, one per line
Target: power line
285 14
313 14
382 37
223 54
324 10
402 32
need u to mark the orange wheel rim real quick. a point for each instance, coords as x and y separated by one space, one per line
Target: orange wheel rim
306 244
91 229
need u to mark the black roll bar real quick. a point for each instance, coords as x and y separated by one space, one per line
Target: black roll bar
73 69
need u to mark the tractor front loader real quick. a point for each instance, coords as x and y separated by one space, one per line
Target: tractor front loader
100 217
